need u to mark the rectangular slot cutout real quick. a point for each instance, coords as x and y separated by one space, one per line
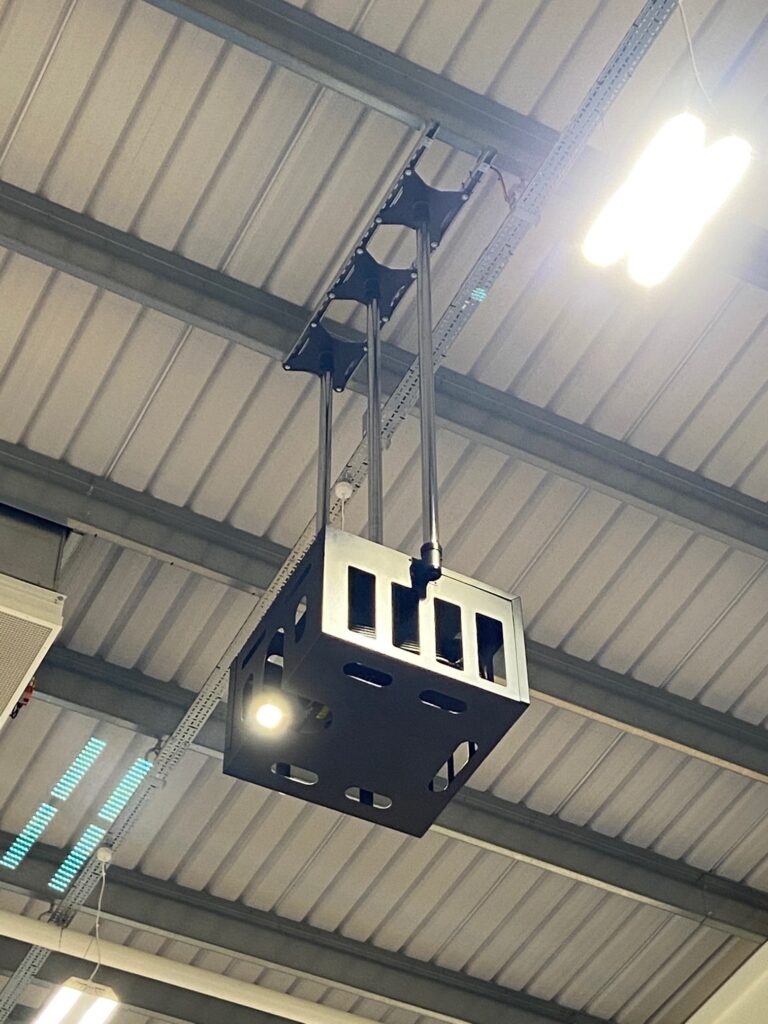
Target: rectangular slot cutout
361 597
490 649
405 618
449 646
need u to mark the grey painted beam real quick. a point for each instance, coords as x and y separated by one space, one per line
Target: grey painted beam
162 280
507 423
149 706
248 316
648 711
199 918
555 677
295 39
63 494
144 996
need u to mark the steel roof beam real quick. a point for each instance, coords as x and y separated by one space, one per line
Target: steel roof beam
144 996
165 281
198 918
555 677
92 505
292 37
348 64
150 706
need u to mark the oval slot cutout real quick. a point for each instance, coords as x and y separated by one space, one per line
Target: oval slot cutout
294 773
368 797
252 650
453 767
300 619
366 674
436 699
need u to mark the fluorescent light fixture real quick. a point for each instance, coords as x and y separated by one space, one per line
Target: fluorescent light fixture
58 1006
125 789
79 1002
79 768
76 857
676 187
28 836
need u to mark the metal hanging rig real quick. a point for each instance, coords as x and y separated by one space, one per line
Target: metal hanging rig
429 212
387 679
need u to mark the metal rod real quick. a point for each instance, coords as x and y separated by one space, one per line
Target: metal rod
431 553
324 451
375 479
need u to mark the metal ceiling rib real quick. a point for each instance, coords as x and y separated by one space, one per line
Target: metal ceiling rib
564 836
435 899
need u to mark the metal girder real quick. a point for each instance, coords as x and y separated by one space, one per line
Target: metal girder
143 995
89 504
295 39
208 299
151 706
649 711
198 918
555 677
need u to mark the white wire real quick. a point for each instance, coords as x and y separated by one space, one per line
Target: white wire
694 65
98 921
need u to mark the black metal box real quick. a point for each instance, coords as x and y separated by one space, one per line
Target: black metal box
390 697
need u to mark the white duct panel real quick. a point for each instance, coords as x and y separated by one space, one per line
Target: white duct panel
30 620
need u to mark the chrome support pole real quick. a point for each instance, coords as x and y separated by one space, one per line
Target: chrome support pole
375 479
324 451
431 553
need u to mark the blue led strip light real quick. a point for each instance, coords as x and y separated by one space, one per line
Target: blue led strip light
28 836
125 789
79 768
76 857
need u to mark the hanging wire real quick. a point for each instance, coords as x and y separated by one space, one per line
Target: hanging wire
98 920
503 183
691 53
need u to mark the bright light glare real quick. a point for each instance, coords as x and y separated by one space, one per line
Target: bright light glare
99 1011
269 715
677 185
58 1006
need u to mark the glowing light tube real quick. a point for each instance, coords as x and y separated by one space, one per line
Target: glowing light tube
676 187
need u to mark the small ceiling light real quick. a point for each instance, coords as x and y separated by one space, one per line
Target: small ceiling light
270 712
79 1002
675 188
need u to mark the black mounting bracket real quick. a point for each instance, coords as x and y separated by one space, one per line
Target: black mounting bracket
418 202
362 278
321 352
368 279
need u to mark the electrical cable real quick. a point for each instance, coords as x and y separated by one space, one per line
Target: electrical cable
500 176
97 934
691 53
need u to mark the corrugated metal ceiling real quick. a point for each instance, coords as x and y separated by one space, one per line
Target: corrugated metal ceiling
434 899
212 959
157 128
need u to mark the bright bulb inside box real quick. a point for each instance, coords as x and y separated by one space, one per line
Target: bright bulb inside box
675 188
270 713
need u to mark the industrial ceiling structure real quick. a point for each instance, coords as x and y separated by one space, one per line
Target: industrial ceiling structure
180 181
